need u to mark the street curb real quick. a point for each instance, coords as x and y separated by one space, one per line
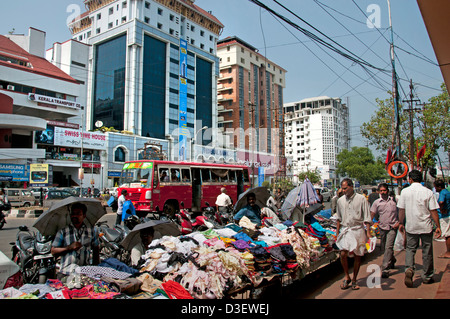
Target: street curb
24 213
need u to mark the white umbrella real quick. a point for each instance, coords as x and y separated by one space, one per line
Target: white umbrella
58 216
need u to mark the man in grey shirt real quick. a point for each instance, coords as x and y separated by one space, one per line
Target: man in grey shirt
352 215
386 209
418 205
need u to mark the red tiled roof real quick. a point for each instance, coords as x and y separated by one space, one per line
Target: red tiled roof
205 13
38 65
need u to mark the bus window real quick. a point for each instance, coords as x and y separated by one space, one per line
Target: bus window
186 173
205 175
175 174
232 176
163 174
219 175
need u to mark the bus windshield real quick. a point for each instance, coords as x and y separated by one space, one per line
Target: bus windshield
136 174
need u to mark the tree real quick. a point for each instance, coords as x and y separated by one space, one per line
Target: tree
379 131
360 164
313 176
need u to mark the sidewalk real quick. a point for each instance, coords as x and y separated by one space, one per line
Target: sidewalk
394 287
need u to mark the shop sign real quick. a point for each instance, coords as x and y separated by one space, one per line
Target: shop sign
43 100
13 172
72 138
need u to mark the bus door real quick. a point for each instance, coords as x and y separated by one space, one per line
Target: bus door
240 182
196 189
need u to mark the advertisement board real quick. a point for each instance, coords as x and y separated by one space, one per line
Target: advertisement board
72 138
41 175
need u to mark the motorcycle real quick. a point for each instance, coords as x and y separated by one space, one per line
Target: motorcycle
109 242
218 218
32 253
4 207
110 238
187 225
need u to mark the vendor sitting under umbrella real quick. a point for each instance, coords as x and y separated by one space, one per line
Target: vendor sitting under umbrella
76 243
146 235
251 211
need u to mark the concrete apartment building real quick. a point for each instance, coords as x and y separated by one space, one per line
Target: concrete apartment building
317 130
250 104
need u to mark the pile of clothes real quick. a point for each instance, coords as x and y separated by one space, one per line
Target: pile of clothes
217 262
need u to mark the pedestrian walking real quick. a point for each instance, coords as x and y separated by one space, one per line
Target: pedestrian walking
385 210
374 195
352 230
444 214
120 201
418 208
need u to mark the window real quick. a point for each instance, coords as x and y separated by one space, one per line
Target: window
205 175
160 11
186 175
111 10
147 5
175 175
119 155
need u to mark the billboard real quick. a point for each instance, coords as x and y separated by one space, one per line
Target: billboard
41 175
182 120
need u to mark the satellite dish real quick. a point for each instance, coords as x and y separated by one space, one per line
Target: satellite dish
98 124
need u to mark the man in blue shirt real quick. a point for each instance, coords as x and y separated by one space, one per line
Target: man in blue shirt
444 216
251 211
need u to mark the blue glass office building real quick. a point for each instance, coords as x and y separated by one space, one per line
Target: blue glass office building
135 63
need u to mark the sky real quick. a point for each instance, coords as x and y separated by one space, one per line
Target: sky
312 69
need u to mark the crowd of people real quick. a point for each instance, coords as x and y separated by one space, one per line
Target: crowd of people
417 214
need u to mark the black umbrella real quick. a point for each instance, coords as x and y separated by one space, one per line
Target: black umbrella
164 228
58 216
262 195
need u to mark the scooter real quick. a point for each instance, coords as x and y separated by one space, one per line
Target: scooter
218 218
32 253
187 225
110 239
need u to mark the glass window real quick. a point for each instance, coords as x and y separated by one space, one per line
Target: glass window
175 175
163 174
109 82
232 176
119 155
154 88
186 174
204 95
205 175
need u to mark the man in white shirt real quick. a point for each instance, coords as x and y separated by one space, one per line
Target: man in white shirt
223 201
120 201
352 214
418 205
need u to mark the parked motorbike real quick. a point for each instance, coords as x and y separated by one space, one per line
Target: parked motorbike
218 218
109 242
31 252
188 225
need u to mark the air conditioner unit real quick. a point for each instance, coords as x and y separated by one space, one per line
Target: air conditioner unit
10 87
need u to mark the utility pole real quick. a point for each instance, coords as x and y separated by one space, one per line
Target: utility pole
411 126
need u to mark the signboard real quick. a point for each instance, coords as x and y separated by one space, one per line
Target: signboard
260 176
72 138
13 173
41 175
43 100
182 121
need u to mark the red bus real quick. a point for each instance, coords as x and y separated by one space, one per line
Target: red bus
160 186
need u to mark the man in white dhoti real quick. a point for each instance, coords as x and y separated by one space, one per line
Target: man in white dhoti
352 214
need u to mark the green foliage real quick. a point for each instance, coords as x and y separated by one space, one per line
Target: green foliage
313 176
360 164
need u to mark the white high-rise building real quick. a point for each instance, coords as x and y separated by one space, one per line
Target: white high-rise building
317 130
